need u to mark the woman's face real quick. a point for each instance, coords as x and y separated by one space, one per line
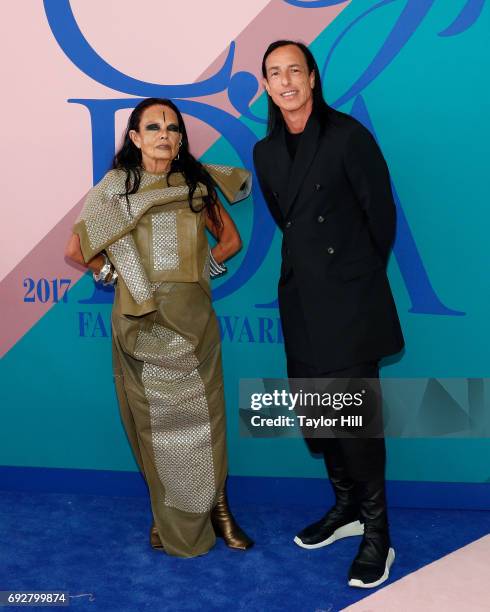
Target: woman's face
158 137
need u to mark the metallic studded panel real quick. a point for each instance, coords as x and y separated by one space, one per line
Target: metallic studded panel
167 349
109 218
164 240
105 210
181 432
219 168
142 201
205 270
126 258
149 179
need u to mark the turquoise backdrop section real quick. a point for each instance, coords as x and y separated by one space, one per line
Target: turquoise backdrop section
59 403
429 110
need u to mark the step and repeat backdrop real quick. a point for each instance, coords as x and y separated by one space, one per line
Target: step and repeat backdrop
413 71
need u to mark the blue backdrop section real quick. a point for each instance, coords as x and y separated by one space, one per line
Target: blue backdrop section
412 72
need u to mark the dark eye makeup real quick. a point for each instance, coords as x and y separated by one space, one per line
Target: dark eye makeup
172 127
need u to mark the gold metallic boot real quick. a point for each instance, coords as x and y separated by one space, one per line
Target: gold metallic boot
155 541
226 527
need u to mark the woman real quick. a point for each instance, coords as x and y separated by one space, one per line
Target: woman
144 226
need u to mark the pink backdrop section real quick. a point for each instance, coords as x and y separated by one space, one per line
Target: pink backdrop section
57 134
458 581
52 138
171 42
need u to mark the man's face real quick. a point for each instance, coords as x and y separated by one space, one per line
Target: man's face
289 82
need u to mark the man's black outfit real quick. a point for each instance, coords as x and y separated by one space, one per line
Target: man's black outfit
328 189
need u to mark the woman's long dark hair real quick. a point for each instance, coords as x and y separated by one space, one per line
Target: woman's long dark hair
129 157
320 108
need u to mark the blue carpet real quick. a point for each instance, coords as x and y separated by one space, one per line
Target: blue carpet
98 545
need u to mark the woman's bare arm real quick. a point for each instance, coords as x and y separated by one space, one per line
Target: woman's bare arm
229 241
74 252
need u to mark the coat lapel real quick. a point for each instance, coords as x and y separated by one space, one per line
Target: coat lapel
279 167
304 156
279 156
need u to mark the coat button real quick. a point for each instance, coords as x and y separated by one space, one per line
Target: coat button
320 219
275 194
288 225
330 250
317 186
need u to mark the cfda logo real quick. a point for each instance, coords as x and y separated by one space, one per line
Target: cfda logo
241 87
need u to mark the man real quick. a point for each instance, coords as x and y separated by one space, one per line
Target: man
328 189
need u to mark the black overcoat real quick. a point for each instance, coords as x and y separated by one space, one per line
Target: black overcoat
335 207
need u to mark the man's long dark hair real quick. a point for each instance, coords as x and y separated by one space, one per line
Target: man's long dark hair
129 157
320 108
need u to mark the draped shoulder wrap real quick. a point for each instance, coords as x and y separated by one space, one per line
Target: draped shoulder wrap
155 237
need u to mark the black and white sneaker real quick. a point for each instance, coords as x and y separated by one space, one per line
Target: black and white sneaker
334 526
371 567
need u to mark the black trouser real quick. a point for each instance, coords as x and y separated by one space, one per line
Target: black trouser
364 459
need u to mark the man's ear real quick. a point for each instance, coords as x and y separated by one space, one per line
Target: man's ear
135 138
312 79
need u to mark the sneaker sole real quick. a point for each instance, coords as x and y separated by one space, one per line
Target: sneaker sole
354 582
351 529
